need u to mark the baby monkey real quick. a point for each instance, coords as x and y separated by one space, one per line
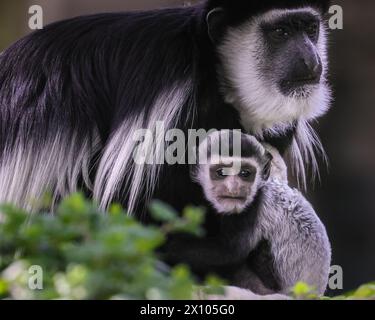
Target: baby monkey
269 236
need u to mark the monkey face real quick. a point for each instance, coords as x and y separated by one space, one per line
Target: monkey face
232 191
230 183
275 66
230 186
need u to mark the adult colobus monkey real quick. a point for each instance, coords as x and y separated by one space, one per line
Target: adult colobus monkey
73 94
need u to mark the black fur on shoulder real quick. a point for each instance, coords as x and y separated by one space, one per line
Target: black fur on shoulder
73 93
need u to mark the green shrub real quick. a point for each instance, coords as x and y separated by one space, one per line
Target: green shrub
86 254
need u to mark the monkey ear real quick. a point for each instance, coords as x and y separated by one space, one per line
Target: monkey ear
215 24
267 165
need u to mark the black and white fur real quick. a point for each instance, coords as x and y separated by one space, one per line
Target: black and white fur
263 106
297 240
73 94
274 241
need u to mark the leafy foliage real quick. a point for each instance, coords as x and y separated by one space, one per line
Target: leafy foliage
303 291
85 254
365 292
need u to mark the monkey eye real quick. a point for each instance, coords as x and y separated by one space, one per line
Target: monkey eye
245 174
280 33
220 173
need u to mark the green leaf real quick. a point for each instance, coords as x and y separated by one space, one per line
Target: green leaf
4 287
162 212
365 292
194 215
303 291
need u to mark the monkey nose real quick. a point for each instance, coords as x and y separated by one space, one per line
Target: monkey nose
233 192
236 191
312 68
234 186
306 71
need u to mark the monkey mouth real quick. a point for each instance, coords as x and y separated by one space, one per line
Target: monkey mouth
291 85
302 82
233 198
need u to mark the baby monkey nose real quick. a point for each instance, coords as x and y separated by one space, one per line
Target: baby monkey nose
235 187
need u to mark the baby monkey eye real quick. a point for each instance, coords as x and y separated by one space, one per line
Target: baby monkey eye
245 173
220 173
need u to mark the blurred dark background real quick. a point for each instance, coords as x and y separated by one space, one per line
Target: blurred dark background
345 197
